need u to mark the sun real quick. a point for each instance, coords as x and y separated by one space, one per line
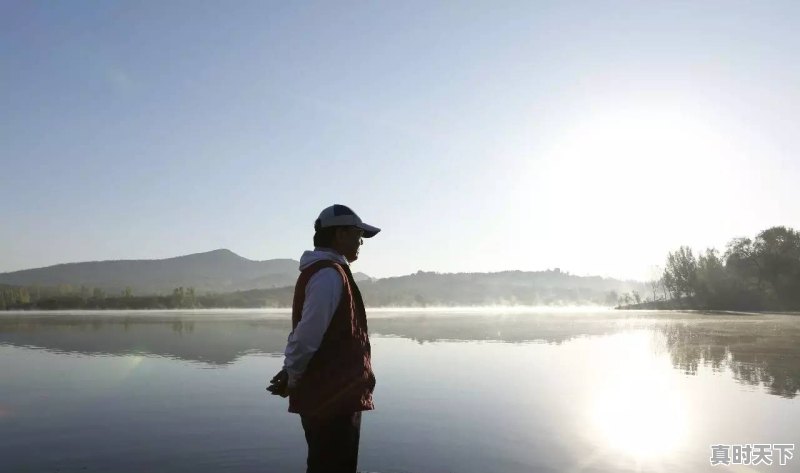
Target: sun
614 154
614 172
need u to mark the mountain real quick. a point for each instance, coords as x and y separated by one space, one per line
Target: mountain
214 271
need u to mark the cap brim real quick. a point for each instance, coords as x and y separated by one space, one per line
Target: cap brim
369 230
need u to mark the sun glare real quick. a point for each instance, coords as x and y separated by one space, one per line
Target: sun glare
614 171
641 422
639 414
128 365
619 154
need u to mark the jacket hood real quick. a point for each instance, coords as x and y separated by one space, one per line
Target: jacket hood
318 254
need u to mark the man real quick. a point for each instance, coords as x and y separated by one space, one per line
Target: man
327 370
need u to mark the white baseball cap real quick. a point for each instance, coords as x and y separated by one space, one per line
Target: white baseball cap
341 215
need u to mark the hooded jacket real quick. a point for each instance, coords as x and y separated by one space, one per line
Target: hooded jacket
323 293
328 353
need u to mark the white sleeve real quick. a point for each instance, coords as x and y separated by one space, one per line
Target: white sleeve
323 292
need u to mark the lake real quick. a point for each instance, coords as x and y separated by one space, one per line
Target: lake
501 390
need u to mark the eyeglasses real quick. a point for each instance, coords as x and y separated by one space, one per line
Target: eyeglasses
349 228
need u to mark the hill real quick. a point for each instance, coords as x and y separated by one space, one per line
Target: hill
222 278
214 271
429 289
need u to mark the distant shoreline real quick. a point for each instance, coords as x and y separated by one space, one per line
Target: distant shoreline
473 308
380 312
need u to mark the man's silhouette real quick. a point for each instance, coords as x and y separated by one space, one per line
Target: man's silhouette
327 371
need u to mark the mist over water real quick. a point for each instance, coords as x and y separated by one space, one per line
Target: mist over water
468 391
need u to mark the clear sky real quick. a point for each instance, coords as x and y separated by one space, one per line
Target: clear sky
590 136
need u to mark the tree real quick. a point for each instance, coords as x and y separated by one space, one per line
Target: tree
655 280
766 271
711 285
680 274
178 296
776 251
740 259
664 288
190 297
654 285
24 296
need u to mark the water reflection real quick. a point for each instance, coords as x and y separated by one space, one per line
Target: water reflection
206 339
758 350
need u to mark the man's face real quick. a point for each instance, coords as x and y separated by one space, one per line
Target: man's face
349 240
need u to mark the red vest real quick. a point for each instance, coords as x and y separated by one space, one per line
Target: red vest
339 378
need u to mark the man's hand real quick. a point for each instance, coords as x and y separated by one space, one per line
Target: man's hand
279 384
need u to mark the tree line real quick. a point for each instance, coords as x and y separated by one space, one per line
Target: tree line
68 297
758 274
434 290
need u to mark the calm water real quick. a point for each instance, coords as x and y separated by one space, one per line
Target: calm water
456 392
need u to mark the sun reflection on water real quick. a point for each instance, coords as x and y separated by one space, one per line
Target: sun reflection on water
639 412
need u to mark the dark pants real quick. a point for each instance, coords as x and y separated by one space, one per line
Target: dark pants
332 443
